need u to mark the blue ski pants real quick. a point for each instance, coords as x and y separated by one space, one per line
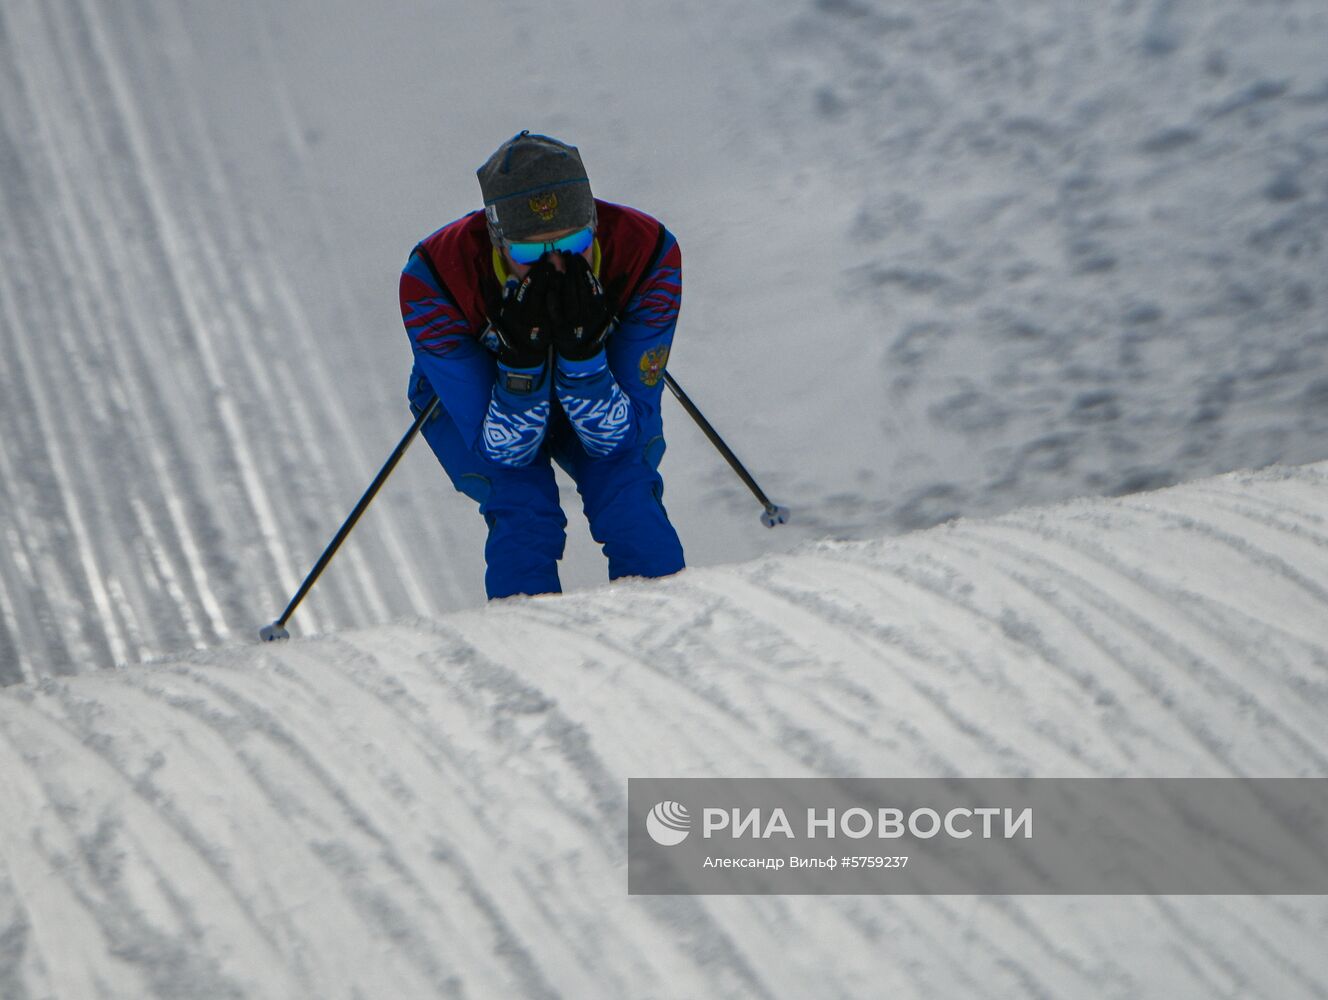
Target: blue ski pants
621 495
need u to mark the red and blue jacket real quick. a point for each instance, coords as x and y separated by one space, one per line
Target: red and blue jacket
611 400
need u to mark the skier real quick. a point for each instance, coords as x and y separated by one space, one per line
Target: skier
543 324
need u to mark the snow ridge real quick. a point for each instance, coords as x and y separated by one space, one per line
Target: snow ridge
434 808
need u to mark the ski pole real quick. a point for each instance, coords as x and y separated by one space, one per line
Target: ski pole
277 630
773 513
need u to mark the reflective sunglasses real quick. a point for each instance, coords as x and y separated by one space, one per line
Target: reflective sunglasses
528 253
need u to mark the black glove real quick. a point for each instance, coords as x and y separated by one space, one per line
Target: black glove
523 322
582 317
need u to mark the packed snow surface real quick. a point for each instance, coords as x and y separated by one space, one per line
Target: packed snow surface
942 258
436 808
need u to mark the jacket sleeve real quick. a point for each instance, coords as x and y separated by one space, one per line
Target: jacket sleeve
496 424
613 399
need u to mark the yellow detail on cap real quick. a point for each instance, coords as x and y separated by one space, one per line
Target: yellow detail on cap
544 205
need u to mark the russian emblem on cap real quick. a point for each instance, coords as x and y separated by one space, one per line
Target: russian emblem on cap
545 206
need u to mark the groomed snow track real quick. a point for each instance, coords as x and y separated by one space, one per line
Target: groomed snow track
436 808
162 387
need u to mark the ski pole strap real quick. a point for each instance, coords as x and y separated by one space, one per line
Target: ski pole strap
277 628
718 442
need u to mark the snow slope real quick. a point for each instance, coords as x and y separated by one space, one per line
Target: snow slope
1092 235
939 261
435 808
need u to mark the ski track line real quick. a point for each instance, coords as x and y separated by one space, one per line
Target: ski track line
130 807
479 675
440 752
313 368
1200 608
433 766
1024 950
72 726
1013 910
650 682
189 694
147 433
1270 516
20 942
1215 608
818 621
968 979
447 536
517 714
1084 682
102 393
245 306
838 605
1135 578
404 558
15 935
13 668
1280 652
1278 960
64 250
784 669
115 587
1174 656
586 755
57 452
775 677
509 691
183 274
169 582
212 304
379 909
1152 680
1253 544
32 865
22 582
1268 511
103 396
1234 981
209 740
358 878
1148 679
659 656
766 601
242 350
1210 620
139 402
58 462
38 591
291 396
262 838
920 572
491 688
19 580
1256 553
588 768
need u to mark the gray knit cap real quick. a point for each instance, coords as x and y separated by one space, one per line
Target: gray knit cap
534 184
